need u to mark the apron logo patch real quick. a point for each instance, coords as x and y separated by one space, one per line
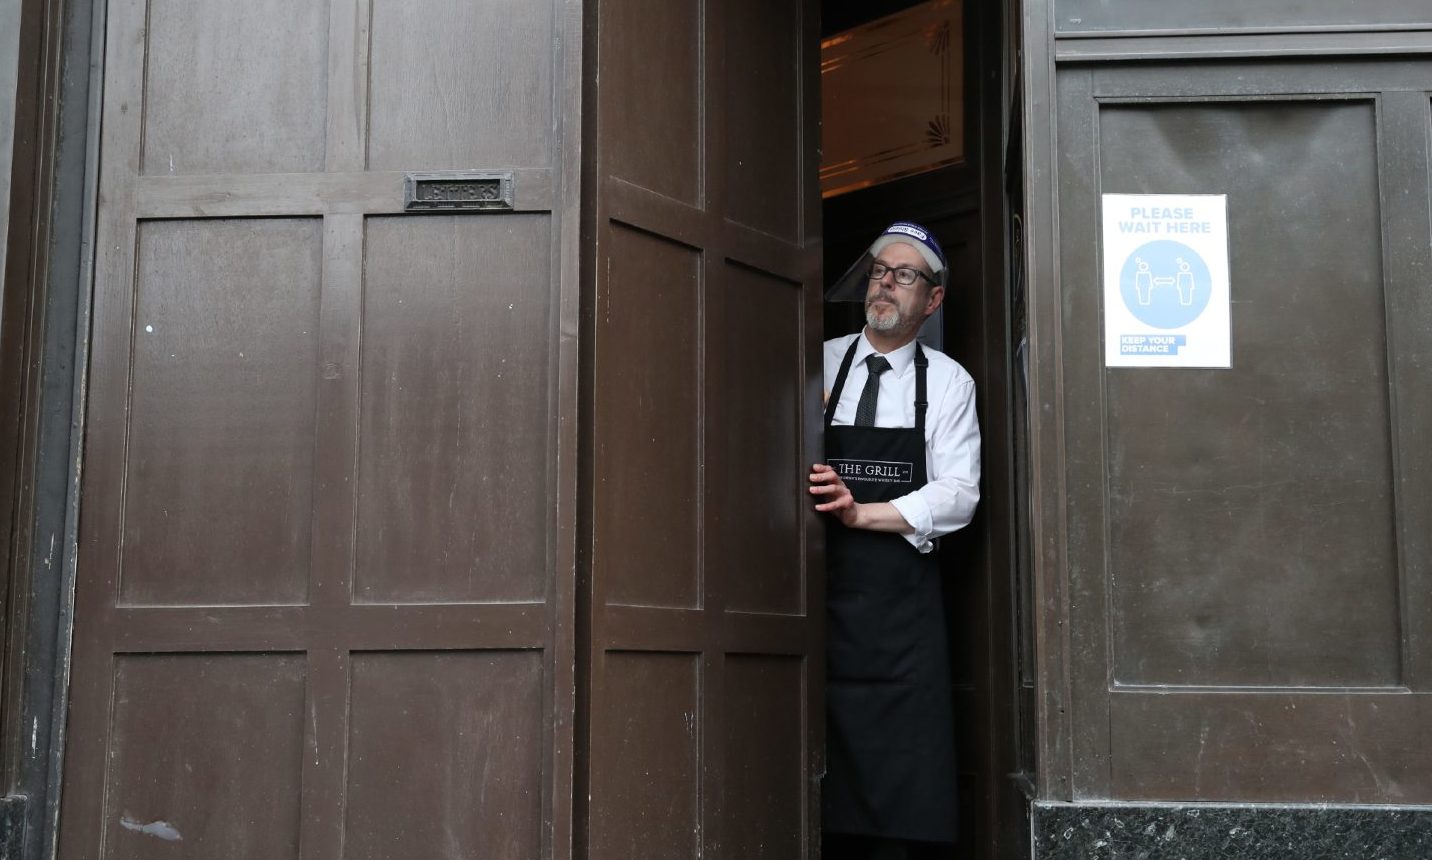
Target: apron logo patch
874 471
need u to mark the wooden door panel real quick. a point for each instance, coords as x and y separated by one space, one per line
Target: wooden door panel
329 473
646 729
457 84
762 750
221 413
459 732
178 722
706 660
453 465
763 148
653 133
753 394
650 468
208 107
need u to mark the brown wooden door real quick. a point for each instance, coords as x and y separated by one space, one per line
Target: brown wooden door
326 575
705 665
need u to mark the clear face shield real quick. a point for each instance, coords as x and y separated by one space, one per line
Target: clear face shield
853 285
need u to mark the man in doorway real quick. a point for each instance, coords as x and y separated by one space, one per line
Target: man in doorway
902 469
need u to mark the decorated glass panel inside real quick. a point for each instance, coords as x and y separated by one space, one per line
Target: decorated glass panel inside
892 94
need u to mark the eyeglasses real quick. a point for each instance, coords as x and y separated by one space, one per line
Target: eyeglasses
905 276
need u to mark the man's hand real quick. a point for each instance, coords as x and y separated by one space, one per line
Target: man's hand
832 496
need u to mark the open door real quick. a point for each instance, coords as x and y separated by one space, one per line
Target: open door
702 331
326 575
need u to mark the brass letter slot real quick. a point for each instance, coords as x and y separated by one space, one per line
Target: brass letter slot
458 191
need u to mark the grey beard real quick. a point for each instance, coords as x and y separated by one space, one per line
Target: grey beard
883 324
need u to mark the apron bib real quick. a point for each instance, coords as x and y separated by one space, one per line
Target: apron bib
890 758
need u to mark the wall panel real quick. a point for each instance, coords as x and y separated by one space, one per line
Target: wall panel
1274 747
1246 549
1096 16
1251 510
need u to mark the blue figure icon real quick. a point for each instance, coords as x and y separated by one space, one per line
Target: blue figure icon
1185 283
1144 282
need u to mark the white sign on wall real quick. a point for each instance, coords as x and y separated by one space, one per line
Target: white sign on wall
1166 296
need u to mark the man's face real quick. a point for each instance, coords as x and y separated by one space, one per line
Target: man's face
894 309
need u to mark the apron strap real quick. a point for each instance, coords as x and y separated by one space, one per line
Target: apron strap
920 402
840 382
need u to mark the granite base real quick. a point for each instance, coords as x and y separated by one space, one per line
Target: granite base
1065 831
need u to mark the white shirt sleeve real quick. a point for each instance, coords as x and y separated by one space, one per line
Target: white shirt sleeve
948 501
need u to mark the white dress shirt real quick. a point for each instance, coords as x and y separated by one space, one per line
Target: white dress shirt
952 432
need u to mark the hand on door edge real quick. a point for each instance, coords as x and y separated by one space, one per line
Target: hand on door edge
873 516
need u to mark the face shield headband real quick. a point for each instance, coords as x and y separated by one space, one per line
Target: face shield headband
852 286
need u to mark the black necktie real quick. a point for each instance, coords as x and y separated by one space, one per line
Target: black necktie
865 411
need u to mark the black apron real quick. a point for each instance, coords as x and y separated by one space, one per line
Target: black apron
890 758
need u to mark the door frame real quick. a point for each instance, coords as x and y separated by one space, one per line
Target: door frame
60 111
986 321
1048 574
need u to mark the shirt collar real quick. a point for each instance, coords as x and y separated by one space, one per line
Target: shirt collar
900 360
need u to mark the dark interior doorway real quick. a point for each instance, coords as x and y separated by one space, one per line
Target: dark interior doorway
972 206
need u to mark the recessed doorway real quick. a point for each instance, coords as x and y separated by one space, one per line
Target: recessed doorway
920 122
